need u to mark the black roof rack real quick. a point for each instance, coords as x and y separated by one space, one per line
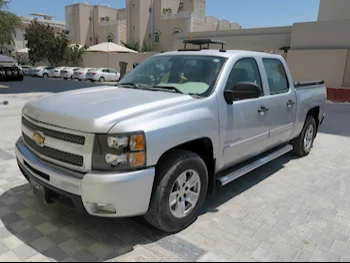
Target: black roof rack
203 42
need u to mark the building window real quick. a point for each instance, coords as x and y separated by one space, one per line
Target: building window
110 38
156 37
175 33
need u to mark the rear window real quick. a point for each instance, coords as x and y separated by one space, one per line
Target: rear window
277 76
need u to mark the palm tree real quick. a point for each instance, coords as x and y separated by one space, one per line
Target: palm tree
8 23
146 48
74 54
132 45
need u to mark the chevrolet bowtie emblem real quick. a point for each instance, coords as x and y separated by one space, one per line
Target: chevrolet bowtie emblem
39 139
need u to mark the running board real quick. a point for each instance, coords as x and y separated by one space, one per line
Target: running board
235 174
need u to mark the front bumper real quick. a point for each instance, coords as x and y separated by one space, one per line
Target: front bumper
129 193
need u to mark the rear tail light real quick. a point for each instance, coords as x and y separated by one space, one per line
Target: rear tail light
80 73
94 73
38 70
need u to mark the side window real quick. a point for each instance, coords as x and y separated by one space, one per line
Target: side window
105 70
276 75
245 70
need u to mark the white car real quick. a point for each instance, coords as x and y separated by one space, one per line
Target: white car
81 73
56 72
67 73
34 70
26 69
43 72
103 75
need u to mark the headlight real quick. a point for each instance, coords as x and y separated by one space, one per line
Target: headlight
119 152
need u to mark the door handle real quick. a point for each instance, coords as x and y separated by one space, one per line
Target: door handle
290 103
263 109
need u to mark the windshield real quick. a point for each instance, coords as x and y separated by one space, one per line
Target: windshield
187 74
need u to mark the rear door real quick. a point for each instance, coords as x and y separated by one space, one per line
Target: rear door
113 75
105 74
282 101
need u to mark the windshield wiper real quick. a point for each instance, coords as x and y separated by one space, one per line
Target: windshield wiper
134 86
155 88
128 84
169 88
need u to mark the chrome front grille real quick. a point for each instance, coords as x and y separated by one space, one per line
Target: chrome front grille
55 134
64 147
54 153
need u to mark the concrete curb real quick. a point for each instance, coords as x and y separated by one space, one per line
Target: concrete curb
338 94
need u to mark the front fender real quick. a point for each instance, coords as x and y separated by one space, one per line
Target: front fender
171 131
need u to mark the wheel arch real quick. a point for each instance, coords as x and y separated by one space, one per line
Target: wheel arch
203 147
315 113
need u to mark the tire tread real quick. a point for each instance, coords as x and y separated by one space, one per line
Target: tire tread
169 163
298 142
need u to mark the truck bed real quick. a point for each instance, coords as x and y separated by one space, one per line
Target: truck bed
308 84
309 95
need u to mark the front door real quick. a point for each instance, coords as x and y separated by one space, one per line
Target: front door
243 129
282 99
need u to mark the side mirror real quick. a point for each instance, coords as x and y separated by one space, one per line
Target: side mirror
242 91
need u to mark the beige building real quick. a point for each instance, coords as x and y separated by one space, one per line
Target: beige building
315 50
157 22
93 24
20 42
153 22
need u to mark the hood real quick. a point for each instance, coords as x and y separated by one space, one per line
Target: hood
97 110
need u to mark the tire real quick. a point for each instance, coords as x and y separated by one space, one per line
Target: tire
172 165
21 75
2 75
301 148
102 79
45 76
9 75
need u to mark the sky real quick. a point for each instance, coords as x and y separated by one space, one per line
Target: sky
248 13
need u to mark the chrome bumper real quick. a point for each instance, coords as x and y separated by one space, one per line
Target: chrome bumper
129 193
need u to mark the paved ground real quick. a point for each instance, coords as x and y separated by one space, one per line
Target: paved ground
33 85
289 210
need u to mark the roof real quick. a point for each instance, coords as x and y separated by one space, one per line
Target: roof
7 61
42 15
24 50
218 53
108 47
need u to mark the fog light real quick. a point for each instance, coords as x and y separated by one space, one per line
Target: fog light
105 208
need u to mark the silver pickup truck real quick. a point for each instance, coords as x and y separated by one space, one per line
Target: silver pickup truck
178 125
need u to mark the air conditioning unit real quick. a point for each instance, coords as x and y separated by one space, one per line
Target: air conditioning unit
166 10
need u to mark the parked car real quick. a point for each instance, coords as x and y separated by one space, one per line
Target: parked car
155 144
43 72
26 69
81 73
34 70
67 73
56 72
103 75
